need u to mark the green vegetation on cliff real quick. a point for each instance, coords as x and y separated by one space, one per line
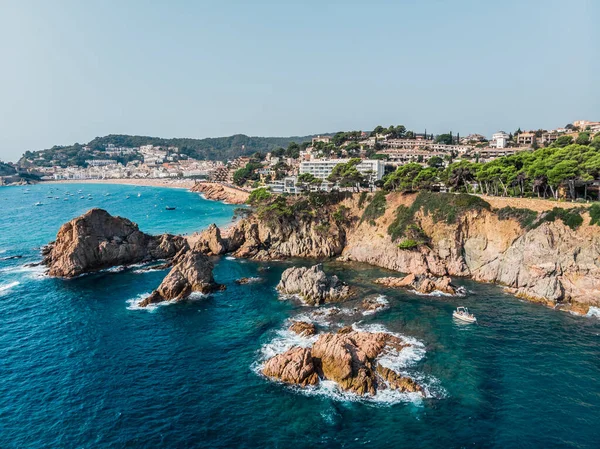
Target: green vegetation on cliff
563 168
525 217
375 209
442 207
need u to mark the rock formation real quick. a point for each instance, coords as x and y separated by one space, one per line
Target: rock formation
219 192
97 240
295 237
423 283
303 328
347 358
191 272
208 242
313 285
295 366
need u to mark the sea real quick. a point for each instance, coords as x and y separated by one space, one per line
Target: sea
81 366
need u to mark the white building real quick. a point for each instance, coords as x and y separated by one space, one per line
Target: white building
321 169
499 140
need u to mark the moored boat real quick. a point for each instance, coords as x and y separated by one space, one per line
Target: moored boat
462 313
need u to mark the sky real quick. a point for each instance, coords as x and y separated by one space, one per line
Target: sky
74 70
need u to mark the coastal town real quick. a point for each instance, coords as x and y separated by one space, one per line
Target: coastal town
310 165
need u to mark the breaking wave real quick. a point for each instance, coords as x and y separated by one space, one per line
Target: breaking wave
403 362
5 288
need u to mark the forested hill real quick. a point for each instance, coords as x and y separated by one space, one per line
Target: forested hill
6 169
217 148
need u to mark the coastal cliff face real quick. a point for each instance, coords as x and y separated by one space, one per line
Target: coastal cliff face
219 192
295 237
97 240
550 263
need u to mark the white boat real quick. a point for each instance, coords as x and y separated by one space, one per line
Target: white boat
462 313
39 204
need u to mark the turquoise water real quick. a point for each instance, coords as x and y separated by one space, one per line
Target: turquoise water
80 366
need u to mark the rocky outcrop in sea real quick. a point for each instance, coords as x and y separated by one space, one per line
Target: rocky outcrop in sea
97 240
312 285
348 358
191 272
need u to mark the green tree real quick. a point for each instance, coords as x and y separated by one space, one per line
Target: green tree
583 139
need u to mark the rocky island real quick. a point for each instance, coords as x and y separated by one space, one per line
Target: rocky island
349 358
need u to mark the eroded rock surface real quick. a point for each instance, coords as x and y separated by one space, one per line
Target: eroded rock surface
98 240
191 272
313 285
295 366
303 328
423 283
347 358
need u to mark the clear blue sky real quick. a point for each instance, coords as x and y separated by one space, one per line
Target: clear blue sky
73 70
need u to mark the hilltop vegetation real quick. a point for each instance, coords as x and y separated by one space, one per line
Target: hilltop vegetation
6 169
562 169
219 148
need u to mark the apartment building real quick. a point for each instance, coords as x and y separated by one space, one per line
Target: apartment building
526 139
322 168
499 140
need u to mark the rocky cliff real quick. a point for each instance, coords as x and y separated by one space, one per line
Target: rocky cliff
549 263
220 192
97 240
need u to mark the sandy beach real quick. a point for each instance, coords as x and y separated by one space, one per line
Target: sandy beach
171 183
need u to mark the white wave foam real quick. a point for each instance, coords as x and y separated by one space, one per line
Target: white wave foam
433 293
382 303
593 312
391 358
34 272
5 288
134 303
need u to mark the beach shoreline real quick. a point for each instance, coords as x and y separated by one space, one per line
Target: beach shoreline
170 183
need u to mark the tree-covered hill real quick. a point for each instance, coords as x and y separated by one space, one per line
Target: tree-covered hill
6 169
218 148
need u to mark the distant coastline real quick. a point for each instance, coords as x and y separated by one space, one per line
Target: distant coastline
171 183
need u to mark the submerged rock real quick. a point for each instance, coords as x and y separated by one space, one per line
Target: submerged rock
303 328
347 358
98 240
244 281
192 272
423 283
313 285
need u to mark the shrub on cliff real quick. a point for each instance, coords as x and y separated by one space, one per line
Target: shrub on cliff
375 209
442 207
594 212
525 217
571 217
258 196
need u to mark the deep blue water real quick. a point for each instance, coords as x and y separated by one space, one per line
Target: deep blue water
81 367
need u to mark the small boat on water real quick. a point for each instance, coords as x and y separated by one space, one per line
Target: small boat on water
139 194
127 197
39 204
170 208
462 313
